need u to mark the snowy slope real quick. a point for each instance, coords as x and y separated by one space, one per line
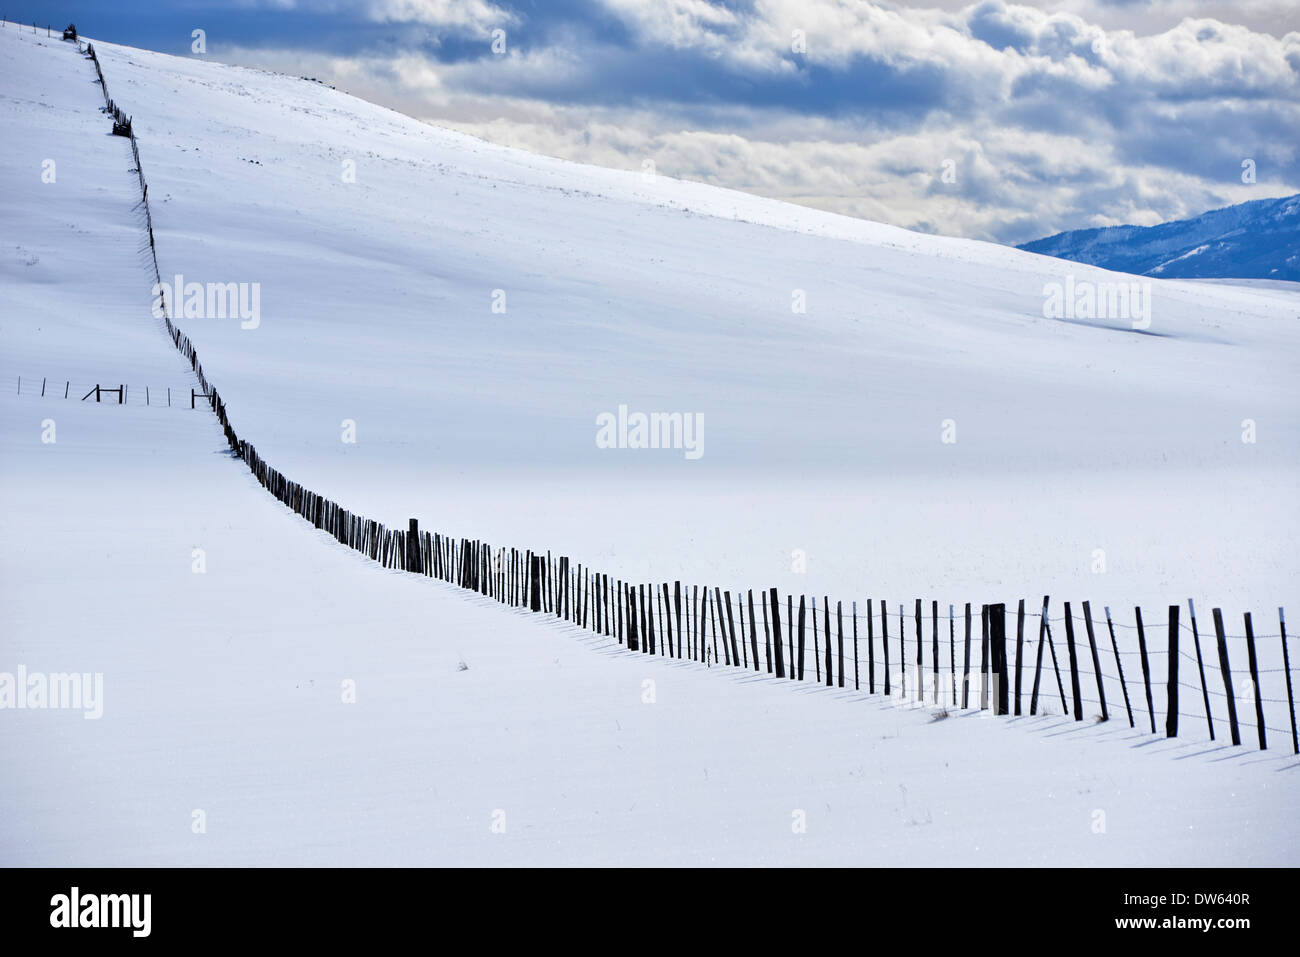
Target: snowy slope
222 689
1255 240
667 296
222 693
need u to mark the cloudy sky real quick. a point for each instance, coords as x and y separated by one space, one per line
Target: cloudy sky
1045 116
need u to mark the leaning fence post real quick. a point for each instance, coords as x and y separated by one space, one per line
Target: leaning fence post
1096 661
1119 666
776 633
1226 671
801 627
1038 665
731 627
1171 709
1056 668
1205 692
1286 666
767 628
826 628
789 628
817 674
1146 666
1254 680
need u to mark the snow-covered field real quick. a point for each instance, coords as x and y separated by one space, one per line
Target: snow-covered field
223 690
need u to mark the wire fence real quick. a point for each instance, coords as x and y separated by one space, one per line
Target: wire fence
115 393
982 666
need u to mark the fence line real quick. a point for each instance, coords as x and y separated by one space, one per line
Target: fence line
684 623
121 394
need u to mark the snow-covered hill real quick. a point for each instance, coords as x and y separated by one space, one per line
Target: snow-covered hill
824 434
377 306
1255 240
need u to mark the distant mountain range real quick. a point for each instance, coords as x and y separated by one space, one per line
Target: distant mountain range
1255 240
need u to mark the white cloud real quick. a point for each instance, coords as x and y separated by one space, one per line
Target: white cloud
478 17
1051 121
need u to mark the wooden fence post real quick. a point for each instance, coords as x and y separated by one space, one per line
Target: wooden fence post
701 611
817 668
839 633
1074 664
753 633
965 672
1286 667
535 588
998 646
856 686
801 627
1038 666
1119 666
789 628
1146 666
767 634
871 649
884 638
1020 647
1254 680
1096 661
633 638
731 627
715 613
413 547
1226 671
647 620
902 653
984 657
920 658
952 654
934 648
1171 711
668 616
826 621
1056 669
740 613
1205 692
677 607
